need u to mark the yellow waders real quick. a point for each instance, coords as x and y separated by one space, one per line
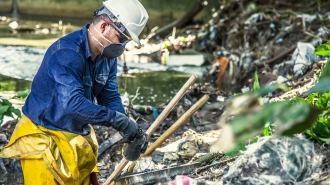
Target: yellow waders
52 157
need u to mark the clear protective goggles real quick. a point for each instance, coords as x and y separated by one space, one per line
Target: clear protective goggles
118 26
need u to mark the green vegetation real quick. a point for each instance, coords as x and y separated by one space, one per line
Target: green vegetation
7 86
308 115
13 84
7 109
320 131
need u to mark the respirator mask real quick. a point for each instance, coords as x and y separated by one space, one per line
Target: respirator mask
112 50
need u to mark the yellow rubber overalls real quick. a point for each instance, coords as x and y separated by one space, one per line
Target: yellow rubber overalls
52 157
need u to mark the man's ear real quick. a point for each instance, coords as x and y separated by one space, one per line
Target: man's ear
103 26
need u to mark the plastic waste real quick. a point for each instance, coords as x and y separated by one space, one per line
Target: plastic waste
125 99
302 57
276 160
146 109
183 180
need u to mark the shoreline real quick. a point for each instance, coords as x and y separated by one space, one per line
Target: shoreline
44 43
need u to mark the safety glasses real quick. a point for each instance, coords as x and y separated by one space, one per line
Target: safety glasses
124 35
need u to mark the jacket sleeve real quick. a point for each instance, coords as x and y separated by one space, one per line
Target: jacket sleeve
110 96
67 68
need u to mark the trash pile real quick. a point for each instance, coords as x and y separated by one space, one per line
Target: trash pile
277 39
274 38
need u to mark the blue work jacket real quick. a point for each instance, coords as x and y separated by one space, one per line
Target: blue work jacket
70 90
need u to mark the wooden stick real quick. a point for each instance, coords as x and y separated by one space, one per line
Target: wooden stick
171 105
172 129
155 124
176 125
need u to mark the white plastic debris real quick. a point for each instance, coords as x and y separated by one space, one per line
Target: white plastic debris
144 163
125 99
13 25
302 58
276 160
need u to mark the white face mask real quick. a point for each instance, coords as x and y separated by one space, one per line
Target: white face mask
112 50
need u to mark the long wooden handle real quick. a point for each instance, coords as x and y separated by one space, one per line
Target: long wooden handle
171 105
176 125
172 129
155 124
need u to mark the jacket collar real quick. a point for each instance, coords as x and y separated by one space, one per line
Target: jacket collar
88 53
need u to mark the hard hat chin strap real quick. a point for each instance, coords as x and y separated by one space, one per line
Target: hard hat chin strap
99 34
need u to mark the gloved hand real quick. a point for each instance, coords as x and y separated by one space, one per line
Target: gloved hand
133 149
125 125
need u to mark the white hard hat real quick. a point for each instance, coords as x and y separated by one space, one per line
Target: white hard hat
130 13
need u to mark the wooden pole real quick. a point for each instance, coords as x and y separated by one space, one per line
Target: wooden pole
172 129
156 123
171 105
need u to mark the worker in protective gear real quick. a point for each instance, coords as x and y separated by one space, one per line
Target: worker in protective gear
74 89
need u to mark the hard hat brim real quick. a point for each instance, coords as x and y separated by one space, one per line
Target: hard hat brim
131 14
135 38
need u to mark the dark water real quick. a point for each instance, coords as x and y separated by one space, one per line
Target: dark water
153 88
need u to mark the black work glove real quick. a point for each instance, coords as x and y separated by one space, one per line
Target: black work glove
125 125
133 149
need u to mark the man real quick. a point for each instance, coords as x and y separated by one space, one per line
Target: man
74 88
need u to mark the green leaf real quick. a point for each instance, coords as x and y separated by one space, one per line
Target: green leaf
321 130
17 112
325 71
289 118
326 113
7 109
267 131
22 94
239 147
321 87
247 126
297 99
270 88
296 118
5 102
322 102
323 50
312 98
3 109
256 85
318 138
